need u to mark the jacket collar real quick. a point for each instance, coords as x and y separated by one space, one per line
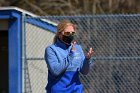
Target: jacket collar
62 45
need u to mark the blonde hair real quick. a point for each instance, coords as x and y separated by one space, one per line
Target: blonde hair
61 26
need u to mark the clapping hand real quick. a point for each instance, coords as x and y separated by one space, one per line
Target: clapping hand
89 53
73 46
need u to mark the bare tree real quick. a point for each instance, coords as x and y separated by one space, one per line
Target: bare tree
75 7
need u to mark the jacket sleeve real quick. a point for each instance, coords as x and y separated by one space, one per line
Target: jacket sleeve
86 64
55 65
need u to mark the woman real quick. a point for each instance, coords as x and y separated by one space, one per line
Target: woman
65 59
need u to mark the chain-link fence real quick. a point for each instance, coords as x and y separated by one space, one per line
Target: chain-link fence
115 40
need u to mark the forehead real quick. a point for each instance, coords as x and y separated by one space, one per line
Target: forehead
68 28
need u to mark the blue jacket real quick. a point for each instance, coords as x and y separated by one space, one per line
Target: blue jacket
64 66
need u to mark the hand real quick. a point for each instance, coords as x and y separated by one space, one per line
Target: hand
89 54
73 46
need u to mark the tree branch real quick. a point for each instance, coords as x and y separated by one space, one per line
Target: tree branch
35 7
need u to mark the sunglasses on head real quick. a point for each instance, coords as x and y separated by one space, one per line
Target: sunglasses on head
68 33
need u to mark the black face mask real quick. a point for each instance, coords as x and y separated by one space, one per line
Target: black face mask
68 39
